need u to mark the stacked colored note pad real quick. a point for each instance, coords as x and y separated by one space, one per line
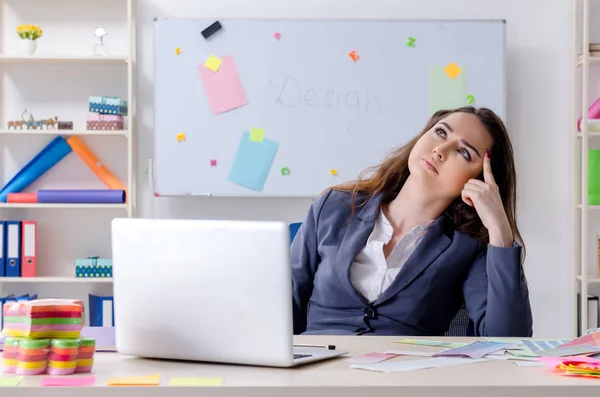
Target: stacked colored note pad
44 318
26 356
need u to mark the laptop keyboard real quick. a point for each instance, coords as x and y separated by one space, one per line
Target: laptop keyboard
297 356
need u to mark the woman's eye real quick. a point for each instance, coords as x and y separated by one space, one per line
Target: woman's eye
465 153
440 132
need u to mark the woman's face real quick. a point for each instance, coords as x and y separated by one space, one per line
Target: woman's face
450 154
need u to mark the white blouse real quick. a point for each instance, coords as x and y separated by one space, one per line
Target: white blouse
371 273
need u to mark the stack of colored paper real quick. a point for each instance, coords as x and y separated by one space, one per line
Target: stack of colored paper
574 366
9 355
31 357
44 318
27 356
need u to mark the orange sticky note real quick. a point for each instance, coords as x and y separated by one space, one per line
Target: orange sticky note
452 70
354 55
146 380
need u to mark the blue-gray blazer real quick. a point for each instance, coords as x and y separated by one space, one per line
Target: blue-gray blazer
448 268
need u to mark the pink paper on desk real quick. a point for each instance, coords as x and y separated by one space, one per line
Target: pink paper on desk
223 88
371 358
69 381
554 361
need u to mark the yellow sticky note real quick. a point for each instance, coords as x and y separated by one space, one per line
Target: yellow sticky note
213 63
196 382
11 382
146 380
257 134
333 171
177 50
180 137
452 70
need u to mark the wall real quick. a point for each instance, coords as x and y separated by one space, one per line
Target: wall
539 120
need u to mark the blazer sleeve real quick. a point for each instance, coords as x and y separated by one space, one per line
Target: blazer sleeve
496 293
305 260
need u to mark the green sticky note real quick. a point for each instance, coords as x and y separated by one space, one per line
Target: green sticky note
196 382
446 92
257 134
11 382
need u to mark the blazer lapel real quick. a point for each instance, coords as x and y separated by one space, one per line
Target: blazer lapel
355 238
431 246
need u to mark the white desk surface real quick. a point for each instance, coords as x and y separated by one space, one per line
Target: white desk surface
328 378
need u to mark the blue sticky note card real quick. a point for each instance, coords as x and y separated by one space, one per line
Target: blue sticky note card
252 162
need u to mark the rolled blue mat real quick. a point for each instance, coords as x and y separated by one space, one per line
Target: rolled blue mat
82 196
47 158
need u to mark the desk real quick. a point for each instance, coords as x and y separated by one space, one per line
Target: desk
328 378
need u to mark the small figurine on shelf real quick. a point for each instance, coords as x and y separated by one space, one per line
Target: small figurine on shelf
29 35
100 47
18 123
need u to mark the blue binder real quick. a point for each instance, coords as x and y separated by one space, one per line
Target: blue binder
2 248
8 298
98 317
13 249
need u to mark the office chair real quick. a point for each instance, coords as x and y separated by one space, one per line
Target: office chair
461 324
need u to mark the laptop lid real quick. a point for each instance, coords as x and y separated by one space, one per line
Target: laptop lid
203 290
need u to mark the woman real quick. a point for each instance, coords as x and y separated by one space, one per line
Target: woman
400 250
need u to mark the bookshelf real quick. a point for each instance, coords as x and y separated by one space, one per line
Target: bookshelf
583 63
66 55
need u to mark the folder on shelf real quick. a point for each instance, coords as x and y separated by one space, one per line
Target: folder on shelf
13 249
47 158
593 309
101 311
2 248
8 298
28 253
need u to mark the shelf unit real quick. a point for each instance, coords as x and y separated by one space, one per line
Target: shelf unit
127 61
582 63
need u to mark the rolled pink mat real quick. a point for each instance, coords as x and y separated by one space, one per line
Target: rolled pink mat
27 198
32 371
81 370
60 371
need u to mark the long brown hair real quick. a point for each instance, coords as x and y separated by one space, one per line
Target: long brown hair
389 176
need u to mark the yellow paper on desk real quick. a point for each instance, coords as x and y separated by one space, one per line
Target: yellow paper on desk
196 382
146 380
11 381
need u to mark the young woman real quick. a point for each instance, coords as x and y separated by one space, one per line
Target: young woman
432 228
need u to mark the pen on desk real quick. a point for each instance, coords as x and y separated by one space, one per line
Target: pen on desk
328 347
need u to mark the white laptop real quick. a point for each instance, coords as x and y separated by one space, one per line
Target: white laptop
206 290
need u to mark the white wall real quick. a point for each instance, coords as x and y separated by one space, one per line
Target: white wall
539 120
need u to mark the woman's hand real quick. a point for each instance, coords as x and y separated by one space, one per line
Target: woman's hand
485 197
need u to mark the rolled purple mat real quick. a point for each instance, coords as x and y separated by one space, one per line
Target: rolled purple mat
82 196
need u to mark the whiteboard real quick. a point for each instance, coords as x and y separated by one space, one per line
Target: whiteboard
304 115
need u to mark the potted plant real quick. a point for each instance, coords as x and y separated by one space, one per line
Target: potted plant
29 34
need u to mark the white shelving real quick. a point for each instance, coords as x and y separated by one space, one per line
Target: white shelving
65 132
64 58
582 63
75 58
24 280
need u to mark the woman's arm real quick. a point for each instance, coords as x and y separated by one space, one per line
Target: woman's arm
496 293
305 260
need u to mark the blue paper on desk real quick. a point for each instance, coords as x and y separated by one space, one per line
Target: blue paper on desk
47 158
252 162
476 349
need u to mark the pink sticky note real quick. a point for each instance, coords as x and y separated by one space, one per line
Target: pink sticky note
371 358
277 35
223 88
69 381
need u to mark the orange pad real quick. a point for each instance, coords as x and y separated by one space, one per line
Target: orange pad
95 165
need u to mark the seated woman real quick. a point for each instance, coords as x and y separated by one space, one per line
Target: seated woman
400 250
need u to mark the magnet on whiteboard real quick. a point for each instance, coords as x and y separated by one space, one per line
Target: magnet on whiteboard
212 29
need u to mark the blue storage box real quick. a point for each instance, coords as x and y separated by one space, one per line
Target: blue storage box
108 105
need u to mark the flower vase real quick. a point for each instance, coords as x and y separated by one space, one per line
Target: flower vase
29 46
